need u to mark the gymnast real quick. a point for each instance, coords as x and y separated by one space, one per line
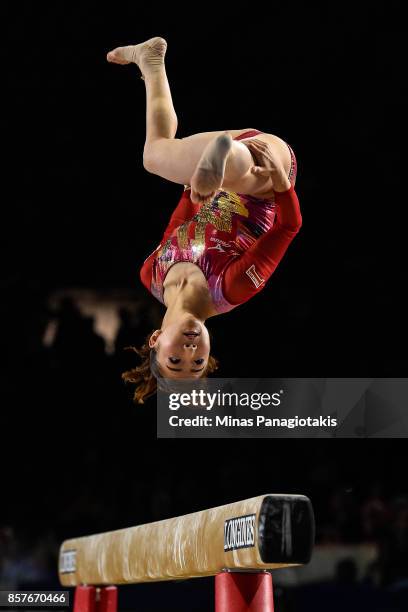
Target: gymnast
235 219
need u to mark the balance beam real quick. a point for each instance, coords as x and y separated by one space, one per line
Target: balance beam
255 535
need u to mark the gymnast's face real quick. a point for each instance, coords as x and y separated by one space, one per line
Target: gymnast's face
182 348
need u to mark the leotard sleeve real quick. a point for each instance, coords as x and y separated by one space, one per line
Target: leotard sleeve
184 211
247 274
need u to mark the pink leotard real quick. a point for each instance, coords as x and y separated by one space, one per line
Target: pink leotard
236 240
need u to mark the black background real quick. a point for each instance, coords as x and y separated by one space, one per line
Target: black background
79 210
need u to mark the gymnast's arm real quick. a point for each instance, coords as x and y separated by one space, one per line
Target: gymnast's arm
247 274
184 211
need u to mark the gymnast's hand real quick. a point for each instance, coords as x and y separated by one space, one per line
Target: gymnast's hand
268 164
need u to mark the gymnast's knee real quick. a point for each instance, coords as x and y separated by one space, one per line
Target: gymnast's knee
154 154
150 161
239 162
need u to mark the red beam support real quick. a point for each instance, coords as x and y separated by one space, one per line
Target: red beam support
90 599
85 599
108 600
243 592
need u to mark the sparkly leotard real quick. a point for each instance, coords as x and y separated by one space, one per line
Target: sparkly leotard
236 240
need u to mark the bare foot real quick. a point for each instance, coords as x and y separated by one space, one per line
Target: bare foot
147 55
209 174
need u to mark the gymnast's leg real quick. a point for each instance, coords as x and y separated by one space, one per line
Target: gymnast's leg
205 161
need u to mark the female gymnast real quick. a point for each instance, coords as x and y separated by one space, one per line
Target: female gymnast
235 219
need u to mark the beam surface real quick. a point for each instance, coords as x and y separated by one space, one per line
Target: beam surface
261 533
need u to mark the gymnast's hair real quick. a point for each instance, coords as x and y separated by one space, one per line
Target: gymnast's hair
148 378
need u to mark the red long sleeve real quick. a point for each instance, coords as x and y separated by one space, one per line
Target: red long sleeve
247 274
184 210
